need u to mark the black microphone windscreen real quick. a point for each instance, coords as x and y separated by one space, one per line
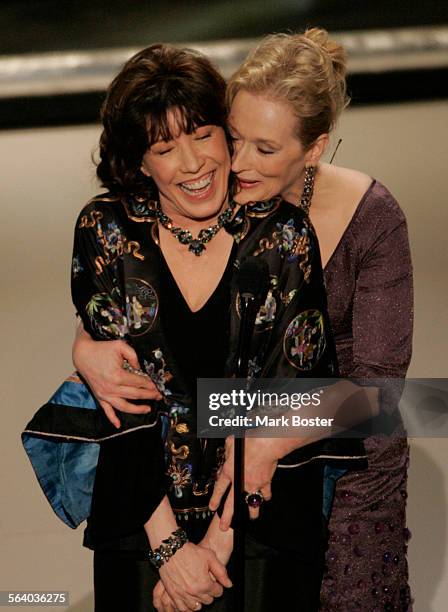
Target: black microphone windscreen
253 278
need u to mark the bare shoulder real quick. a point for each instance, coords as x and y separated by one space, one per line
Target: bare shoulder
351 187
346 180
341 189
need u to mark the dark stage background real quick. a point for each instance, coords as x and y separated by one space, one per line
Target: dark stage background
47 25
36 34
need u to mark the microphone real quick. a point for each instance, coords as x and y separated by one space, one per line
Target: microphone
253 279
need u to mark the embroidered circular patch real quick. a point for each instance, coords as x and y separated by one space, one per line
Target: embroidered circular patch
142 305
304 340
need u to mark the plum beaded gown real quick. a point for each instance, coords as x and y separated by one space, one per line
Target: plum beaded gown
369 286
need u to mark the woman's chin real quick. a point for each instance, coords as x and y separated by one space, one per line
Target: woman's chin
243 198
202 211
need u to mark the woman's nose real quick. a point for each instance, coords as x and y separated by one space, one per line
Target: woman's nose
239 159
191 159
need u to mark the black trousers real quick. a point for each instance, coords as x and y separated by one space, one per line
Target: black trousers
275 581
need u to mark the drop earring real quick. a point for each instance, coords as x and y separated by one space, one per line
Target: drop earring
308 188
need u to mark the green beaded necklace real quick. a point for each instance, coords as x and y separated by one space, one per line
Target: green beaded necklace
196 245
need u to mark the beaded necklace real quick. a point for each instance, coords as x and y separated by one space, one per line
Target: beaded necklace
196 245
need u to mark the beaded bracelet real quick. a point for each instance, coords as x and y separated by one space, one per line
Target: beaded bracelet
166 550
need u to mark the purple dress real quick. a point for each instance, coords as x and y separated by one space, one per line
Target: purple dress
369 285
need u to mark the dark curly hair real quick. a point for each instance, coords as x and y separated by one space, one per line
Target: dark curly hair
156 80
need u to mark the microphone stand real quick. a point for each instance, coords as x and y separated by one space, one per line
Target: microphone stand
248 313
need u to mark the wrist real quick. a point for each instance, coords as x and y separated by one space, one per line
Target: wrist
286 446
273 449
168 548
161 524
216 537
80 344
219 538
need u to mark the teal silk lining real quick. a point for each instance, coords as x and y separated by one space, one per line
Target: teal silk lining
74 394
66 470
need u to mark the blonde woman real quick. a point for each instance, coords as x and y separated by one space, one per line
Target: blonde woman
284 101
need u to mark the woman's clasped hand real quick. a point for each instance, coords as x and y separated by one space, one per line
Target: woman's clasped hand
192 575
179 587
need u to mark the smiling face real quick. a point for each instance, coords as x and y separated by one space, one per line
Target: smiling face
269 158
191 171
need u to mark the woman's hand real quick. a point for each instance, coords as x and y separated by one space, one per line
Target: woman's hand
100 363
192 576
219 541
162 602
261 456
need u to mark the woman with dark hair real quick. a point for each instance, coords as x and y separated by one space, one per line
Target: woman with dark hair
152 265
128 281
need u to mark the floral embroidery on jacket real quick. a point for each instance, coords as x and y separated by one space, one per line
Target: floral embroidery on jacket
253 368
157 372
111 240
181 477
106 315
287 298
290 243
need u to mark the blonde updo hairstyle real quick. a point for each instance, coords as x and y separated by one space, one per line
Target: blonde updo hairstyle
307 70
